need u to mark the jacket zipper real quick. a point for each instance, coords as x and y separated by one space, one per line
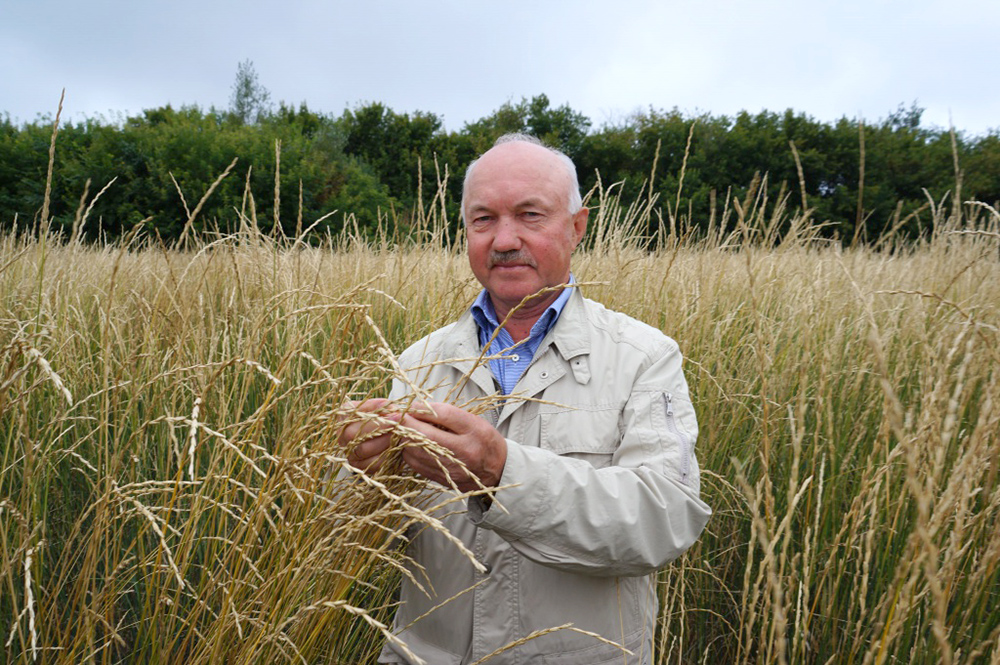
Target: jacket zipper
668 401
493 416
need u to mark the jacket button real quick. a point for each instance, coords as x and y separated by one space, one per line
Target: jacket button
544 375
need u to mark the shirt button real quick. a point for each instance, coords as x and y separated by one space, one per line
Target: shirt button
515 358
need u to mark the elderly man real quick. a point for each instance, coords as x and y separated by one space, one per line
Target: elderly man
590 445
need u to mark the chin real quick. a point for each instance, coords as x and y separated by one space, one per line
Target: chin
519 295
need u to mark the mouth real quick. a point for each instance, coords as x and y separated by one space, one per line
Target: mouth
510 266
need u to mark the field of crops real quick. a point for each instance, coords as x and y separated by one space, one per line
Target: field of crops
169 488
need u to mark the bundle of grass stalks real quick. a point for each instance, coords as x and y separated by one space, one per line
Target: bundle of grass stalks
172 489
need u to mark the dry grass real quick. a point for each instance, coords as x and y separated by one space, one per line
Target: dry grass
169 482
169 487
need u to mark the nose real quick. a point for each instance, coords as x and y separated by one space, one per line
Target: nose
507 235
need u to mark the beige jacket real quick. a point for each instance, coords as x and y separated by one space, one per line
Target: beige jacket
600 490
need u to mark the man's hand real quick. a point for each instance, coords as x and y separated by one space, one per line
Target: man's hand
374 434
471 440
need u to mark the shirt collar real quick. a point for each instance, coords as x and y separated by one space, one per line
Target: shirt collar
486 317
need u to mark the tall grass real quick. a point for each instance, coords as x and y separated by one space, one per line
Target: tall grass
169 488
169 465
848 403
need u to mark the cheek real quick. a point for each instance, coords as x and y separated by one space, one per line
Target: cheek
553 251
477 252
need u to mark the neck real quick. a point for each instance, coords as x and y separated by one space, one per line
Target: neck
519 320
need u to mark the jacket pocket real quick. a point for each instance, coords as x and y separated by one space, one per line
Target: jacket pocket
619 609
590 433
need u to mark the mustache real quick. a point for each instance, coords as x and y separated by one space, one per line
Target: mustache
511 256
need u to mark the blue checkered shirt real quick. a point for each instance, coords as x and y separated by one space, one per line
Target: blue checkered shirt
511 361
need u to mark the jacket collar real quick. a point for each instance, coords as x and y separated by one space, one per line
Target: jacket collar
570 336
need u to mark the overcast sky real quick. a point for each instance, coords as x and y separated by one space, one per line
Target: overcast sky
462 59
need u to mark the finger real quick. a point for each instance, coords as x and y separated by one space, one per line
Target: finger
371 405
370 424
351 410
475 443
369 464
371 438
433 447
355 414
445 416
423 431
441 470
367 442
371 454
371 447
427 465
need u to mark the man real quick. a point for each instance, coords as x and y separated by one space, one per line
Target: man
589 448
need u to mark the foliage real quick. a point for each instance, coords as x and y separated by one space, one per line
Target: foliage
395 145
161 163
862 181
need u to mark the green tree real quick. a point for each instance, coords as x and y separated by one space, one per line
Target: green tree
396 146
145 155
980 165
559 127
365 162
249 100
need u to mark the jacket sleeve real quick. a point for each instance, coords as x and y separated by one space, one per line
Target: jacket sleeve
629 518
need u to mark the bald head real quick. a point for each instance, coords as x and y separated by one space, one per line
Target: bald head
526 149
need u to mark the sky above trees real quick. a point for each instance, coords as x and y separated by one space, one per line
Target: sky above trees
461 60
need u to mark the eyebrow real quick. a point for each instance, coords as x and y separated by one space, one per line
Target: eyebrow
530 202
480 207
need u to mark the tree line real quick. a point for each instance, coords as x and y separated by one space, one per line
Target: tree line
372 163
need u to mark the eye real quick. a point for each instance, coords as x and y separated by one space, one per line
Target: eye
531 215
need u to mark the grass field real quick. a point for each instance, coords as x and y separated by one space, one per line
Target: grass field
168 487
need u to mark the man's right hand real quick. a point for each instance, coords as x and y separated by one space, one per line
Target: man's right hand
370 435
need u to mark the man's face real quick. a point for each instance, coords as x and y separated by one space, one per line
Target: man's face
520 232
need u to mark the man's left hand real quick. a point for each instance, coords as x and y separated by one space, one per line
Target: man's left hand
472 441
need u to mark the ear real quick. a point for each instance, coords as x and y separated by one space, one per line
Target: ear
580 225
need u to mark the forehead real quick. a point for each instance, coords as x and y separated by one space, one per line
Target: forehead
518 173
